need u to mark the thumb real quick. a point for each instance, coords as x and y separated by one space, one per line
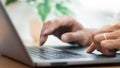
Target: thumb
71 37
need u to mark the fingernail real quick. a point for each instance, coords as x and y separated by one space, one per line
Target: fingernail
65 38
41 40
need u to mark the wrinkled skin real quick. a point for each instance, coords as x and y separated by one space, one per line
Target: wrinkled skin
109 46
67 30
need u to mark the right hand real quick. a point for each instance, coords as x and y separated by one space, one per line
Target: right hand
106 40
66 29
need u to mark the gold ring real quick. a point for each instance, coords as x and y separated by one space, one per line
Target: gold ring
105 37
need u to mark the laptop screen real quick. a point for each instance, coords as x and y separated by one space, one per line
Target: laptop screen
22 18
8 34
28 23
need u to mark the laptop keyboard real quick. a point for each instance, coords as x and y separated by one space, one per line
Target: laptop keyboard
51 53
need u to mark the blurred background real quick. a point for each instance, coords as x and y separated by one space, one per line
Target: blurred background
28 16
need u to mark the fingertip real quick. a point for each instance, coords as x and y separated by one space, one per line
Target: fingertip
43 40
41 43
91 48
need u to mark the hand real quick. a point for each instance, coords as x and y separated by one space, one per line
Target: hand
107 46
67 30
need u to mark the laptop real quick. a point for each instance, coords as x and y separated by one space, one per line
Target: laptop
42 56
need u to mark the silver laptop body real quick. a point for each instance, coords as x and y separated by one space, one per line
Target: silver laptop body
12 46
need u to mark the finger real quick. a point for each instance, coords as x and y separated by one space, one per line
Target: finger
108 52
72 36
54 24
109 28
50 27
47 29
44 27
69 21
112 35
105 30
91 48
107 49
43 39
111 44
104 36
97 39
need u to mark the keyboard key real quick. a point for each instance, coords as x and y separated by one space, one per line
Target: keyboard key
51 53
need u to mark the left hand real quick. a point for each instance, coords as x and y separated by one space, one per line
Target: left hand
106 40
68 30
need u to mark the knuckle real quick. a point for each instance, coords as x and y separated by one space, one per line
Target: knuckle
79 35
117 26
96 38
114 35
69 18
56 20
72 19
104 44
49 22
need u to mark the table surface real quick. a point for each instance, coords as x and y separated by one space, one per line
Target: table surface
6 62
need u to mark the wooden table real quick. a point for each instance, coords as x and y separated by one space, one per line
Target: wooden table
6 62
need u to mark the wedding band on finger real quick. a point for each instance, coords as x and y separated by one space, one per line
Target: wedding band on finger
105 37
